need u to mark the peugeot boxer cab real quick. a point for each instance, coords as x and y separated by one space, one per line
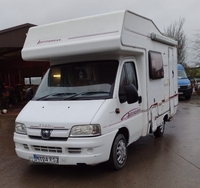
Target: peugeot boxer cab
184 84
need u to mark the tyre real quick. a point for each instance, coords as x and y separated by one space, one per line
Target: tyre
160 130
188 97
118 155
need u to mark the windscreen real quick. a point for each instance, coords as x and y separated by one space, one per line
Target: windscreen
78 81
182 74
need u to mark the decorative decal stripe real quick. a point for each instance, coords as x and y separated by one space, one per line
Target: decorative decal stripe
155 104
111 124
128 115
97 34
131 114
136 111
173 96
135 32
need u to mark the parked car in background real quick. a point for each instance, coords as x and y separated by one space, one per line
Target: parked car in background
184 84
197 84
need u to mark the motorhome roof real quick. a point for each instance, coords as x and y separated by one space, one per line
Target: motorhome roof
101 33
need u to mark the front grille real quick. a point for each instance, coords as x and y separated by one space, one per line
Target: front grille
183 87
48 149
51 138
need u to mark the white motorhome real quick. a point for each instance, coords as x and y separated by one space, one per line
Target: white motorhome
112 79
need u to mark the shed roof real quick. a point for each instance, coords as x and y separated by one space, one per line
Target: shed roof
12 41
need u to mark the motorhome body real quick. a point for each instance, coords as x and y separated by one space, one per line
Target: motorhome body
112 79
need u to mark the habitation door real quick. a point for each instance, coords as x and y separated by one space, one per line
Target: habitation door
130 114
172 81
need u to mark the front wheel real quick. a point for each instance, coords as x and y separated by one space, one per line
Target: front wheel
118 155
160 130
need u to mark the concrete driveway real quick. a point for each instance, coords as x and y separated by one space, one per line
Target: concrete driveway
172 161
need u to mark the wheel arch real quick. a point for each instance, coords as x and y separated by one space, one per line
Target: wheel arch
166 117
125 132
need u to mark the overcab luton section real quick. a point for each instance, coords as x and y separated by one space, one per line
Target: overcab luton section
112 79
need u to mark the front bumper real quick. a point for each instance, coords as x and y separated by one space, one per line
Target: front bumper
74 151
185 92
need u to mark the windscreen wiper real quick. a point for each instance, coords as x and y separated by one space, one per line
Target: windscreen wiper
54 95
87 93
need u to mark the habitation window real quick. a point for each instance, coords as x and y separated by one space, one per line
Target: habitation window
156 70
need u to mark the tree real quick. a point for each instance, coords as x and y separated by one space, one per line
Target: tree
196 48
193 72
175 31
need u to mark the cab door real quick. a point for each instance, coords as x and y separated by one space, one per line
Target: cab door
130 114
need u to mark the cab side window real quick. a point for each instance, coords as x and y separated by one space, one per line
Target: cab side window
128 76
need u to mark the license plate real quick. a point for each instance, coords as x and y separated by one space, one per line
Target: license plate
180 93
45 159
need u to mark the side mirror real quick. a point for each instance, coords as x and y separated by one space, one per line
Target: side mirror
29 94
131 94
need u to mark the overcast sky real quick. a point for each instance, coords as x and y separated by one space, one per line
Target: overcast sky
162 12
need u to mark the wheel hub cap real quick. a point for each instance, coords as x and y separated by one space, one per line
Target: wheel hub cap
121 152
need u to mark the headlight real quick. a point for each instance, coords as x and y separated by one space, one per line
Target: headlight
85 130
20 128
189 86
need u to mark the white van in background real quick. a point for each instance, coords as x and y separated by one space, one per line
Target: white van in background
112 79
